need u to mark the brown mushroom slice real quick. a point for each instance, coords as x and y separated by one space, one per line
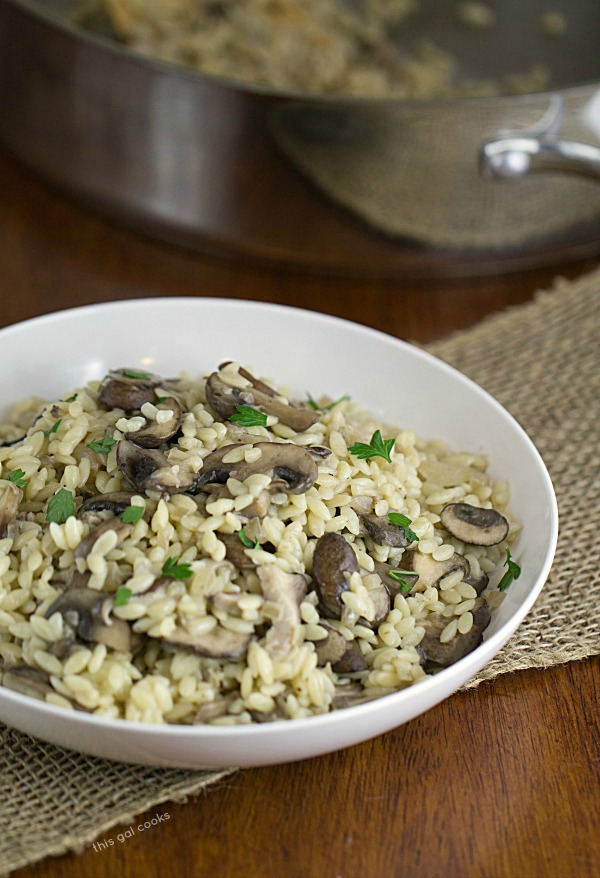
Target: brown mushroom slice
350 694
280 588
446 654
352 660
331 648
219 642
235 551
319 452
380 599
290 467
479 584
115 524
128 389
382 531
402 583
157 432
9 507
116 501
214 709
431 571
334 560
86 612
225 399
148 469
473 525
28 681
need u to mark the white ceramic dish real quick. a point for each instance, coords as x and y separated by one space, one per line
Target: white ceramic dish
306 351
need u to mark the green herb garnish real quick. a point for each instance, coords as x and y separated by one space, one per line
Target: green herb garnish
160 400
248 417
176 571
69 398
403 522
16 477
53 428
513 572
61 506
102 446
122 596
377 447
399 575
246 541
132 514
141 376
324 408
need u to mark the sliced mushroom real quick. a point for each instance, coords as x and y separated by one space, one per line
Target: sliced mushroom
352 660
86 613
445 654
402 584
334 560
380 598
235 551
470 524
220 642
158 432
225 399
350 694
280 588
115 524
28 681
331 648
148 469
9 507
431 571
115 502
120 389
319 452
382 531
290 467
213 709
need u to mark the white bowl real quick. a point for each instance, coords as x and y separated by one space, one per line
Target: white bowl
306 351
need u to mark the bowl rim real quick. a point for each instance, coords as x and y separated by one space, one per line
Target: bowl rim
447 680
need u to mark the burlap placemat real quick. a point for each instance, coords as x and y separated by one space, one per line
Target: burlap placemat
542 362
412 174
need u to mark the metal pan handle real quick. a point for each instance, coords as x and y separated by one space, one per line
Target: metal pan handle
513 156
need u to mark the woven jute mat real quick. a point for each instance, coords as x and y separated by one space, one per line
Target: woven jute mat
542 361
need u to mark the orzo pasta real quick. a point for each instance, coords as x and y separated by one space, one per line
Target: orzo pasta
210 551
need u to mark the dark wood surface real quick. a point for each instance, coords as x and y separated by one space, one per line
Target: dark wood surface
498 782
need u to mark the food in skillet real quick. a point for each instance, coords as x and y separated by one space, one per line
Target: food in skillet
212 551
323 46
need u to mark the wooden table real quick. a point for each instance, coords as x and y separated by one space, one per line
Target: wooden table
499 782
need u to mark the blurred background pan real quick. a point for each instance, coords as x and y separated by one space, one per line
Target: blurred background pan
381 186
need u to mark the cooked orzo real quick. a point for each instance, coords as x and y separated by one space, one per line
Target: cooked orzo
210 550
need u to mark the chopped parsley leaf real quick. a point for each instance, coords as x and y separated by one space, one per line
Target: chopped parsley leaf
53 428
377 447
102 446
141 376
399 575
246 541
16 477
132 514
61 506
69 398
513 572
403 522
324 408
173 570
122 596
246 416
